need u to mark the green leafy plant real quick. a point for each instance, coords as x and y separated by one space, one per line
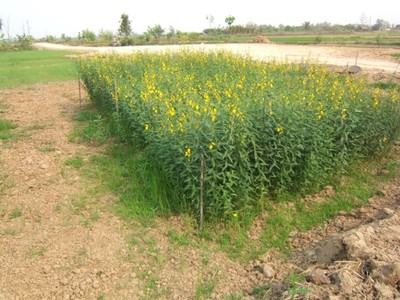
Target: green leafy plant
227 130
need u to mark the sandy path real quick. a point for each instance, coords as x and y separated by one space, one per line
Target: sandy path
371 59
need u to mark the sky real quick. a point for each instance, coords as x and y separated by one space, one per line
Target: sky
51 17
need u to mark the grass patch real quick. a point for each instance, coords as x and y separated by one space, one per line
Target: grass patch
179 239
94 130
6 128
76 162
16 213
204 289
35 252
122 170
33 66
396 56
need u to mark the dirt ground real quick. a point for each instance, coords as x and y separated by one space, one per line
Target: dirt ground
60 240
376 59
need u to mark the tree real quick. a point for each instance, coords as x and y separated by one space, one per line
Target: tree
229 20
1 23
380 25
210 19
125 28
171 32
306 25
87 35
157 31
105 35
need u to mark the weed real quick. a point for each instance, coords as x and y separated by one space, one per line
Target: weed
6 132
101 296
57 207
204 289
94 129
47 149
12 231
205 257
85 115
15 213
178 239
79 204
75 162
36 251
261 290
36 126
94 216
296 288
6 125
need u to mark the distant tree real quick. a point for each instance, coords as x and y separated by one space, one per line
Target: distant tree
380 25
125 28
171 32
1 24
306 25
229 20
156 31
87 35
105 35
364 22
210 19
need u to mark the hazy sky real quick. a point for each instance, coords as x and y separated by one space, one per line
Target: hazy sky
52 17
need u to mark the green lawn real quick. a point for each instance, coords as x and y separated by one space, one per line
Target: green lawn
32 66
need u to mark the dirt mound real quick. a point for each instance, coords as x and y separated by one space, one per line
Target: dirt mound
354 256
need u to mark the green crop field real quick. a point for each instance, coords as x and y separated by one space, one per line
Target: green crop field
229 131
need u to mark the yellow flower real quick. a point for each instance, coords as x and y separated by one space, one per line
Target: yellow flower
171 112
146 127
344 113
235 215
188 152
212 145
279 129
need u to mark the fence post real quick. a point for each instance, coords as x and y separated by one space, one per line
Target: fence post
116 95
201 191
79 87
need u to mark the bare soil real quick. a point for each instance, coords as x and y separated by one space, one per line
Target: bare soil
372 59
59 239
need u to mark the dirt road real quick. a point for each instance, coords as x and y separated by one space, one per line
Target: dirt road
371 58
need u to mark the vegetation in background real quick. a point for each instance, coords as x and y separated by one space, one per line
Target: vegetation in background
24 67
125 28
254 130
